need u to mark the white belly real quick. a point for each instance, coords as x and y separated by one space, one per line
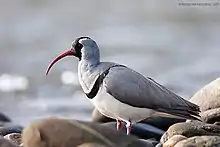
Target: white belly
111 107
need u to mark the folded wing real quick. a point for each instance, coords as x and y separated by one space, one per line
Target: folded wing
132 88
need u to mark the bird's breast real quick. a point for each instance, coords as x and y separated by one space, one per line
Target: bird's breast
113 108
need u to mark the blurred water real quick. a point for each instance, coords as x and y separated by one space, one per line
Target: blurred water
176 45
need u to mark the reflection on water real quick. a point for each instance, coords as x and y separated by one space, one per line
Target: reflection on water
177 46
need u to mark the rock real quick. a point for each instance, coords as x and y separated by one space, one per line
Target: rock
153 121
174 140
14 137
211 116
56 132
200 141
153 141
4 118
92 145
6 143
208 97
159 145
8 128
167 122
190 129
143 131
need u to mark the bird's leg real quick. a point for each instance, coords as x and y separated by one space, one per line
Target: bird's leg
128 126
118 124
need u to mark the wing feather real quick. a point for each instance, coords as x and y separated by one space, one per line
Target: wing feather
132 88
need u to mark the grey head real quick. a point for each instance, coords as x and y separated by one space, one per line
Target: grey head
84 48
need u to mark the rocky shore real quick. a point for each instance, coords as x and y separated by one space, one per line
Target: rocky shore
101 132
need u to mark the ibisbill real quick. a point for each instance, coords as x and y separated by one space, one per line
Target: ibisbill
121 93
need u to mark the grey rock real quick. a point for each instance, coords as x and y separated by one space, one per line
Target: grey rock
8 128
190 129
200 141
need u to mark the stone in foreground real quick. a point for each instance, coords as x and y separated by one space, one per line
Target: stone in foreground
174 140
200 141
6 143
190 129
54 132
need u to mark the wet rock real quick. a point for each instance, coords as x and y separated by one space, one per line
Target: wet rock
154 121
200 141
208 97
174 140
14 137
8 128
6 143
159 145
153 141
4 118
143 131
190 129
70 133
167 122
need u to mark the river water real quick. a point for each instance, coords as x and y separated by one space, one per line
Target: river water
178 46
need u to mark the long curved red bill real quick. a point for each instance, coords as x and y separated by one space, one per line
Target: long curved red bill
70 52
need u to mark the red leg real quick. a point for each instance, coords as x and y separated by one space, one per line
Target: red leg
118 124
128 126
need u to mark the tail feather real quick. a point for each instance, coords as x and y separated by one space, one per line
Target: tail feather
188 111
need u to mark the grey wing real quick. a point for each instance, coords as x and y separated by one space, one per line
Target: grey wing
134 89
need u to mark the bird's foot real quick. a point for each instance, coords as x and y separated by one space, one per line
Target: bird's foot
128 126
119 124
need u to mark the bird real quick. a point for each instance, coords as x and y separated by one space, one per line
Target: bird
122 93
